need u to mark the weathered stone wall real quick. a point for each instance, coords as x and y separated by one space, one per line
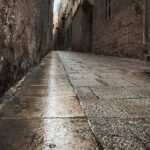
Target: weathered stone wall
82 28
25 37
123 34
76 30
68 26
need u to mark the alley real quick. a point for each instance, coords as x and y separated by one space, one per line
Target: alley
78 101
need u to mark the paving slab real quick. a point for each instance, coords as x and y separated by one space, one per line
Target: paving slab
110 75
135 108
45 134
83 76
110 92
48 82
143 92
114 134
47 107
118 82
45 91
141 127
86 82
95 107
139 81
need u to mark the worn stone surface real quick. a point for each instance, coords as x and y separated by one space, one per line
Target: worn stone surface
113 134
141 127
42 134
45 115
117 107
56 108
143 92
35 107
25 37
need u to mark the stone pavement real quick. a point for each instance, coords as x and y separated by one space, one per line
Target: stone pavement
44 113
79 101
115 96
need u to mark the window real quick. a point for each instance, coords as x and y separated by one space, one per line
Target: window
108 9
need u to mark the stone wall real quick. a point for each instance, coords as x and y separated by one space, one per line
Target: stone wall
76 30
68 25
82 28
25 37
123 34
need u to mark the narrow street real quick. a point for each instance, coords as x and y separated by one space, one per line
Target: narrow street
79 101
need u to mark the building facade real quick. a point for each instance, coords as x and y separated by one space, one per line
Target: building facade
58 33
75 26
82 27
117 28
121 28
67 21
